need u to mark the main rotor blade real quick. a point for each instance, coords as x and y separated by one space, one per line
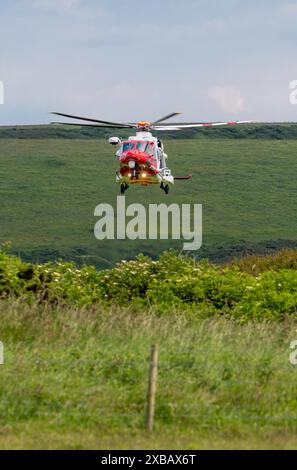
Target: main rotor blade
84 125
108 123
168 116
192 125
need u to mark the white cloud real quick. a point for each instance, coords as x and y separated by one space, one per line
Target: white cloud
228 98
289 9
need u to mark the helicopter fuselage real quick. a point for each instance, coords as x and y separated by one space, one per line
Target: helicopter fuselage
142 161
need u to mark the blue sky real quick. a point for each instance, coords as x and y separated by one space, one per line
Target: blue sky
131 60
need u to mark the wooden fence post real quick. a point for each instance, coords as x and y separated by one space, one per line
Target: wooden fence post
152 387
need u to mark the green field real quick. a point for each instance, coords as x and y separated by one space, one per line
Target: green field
77 379
50 188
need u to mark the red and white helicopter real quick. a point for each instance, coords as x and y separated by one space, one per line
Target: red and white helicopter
142 158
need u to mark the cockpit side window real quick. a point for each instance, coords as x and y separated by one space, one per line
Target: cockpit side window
149 149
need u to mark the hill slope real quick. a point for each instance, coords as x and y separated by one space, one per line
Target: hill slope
51 187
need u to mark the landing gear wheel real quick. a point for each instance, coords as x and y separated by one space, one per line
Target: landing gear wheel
124 187
164 187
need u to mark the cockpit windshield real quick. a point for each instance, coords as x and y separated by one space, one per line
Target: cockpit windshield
128 146
146 147
141 146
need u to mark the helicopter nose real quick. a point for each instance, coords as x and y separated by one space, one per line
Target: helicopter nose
133 157
131 154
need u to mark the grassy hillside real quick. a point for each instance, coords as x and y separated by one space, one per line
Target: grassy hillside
50 188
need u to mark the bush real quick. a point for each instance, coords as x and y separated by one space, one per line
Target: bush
173 281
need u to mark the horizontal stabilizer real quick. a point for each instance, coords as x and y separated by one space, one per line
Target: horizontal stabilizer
189 177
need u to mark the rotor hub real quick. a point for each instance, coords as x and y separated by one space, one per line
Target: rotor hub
143 125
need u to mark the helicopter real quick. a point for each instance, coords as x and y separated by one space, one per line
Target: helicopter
142 157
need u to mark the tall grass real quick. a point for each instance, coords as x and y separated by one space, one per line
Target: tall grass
77 377
257 264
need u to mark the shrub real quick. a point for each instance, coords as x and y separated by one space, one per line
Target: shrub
173 281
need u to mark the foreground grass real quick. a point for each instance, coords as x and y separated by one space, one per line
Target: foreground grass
76 378
39 435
